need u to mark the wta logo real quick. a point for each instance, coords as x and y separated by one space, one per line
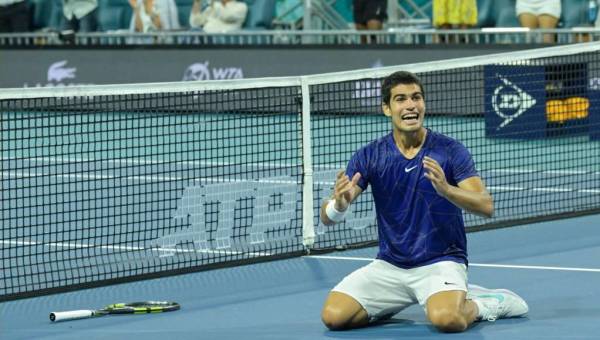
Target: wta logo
509 101
202 71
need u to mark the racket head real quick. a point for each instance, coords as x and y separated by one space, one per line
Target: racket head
142 307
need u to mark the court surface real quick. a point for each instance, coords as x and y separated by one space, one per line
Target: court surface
553 265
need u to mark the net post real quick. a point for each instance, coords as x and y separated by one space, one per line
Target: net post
308 228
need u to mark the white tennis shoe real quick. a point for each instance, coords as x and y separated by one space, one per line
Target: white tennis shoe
497 303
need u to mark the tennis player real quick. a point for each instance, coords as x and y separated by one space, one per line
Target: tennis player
420 181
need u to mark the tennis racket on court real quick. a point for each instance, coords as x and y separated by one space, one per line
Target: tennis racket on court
117 308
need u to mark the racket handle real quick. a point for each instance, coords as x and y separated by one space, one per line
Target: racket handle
71 315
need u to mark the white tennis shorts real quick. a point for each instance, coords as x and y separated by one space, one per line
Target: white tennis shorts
384 289
539 7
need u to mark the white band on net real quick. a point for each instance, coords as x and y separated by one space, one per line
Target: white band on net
333 214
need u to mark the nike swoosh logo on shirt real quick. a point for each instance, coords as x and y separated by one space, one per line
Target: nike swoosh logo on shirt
410 169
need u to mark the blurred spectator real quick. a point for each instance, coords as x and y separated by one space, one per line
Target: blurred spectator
542 14
448 14
14 16
369 15
219 16
153 15
80 15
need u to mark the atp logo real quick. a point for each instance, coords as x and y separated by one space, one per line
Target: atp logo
361 215
509 101
58 72
266 212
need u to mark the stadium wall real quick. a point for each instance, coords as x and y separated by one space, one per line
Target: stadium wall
37 67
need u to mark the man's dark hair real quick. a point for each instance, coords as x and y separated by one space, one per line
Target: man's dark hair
400 77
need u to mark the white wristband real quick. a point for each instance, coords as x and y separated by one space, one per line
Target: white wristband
333 214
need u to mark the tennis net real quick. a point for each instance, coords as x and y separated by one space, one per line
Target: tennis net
107 184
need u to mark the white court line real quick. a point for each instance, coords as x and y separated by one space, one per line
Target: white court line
507 188
11 174
485 265
553 189
568 269
270 165
552 172
125 248
503 188
149 162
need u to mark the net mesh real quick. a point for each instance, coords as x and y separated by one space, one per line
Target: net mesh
531 125
103 185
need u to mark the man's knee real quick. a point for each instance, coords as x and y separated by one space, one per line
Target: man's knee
334 318
448 321
343 312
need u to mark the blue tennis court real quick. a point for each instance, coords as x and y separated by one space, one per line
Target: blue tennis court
553 265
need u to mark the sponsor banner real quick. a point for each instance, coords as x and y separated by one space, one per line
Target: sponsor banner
545 101
515 101
594 108
73 67
69 67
